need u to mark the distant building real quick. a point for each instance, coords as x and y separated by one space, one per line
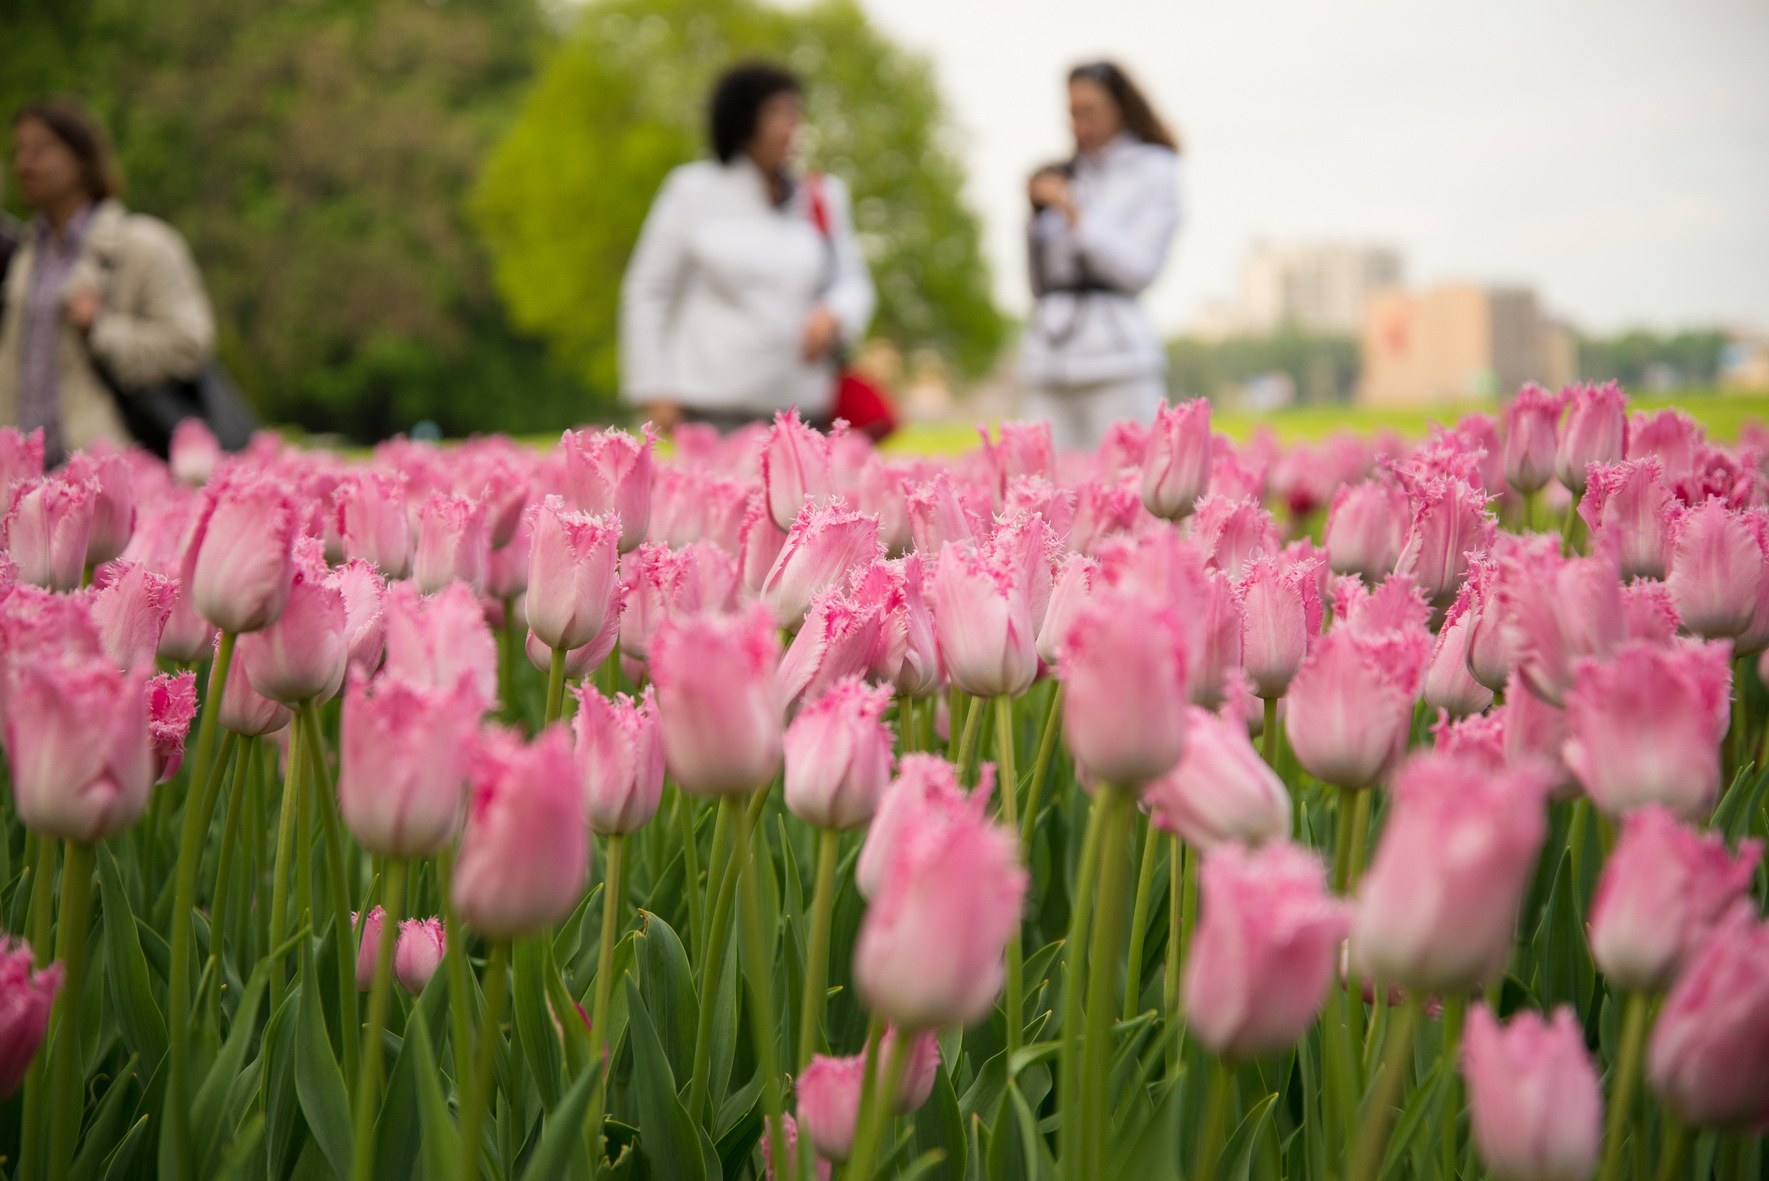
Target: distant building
1459 340
1316 287
1744 364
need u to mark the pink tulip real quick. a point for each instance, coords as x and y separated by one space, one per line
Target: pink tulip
171 704
1069 592
1448 683
434 641
882 494
656 583
26 997
130 607
368 944
908 655
1717 568
525 851
1478 737
1125 698
506 570
1645 727
195 452
1557 612
619 759
1176 464
243 709
239 561
760 541
1366 527
840 638
937 516
825 546
983 618
1264 950
1663 889
929 951
78 744
1233 533
113 509
1535 1105
1281 606
373 521
821 1169
304 654
571 574
795 465
1532 421
722 712
365 614
838 756
1437 911
403 762
418 953
1350 708
921 1067
1669 434
1449 521
1596 431
1629 510
21 458
609 474
925 784
1221 791
1023 449
47 529
1708 1059
829 1101
1535 732
453 545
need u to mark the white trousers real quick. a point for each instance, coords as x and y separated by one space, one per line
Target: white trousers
1079 414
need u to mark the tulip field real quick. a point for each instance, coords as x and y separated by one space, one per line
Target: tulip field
768 806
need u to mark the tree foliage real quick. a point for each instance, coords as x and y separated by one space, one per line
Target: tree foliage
621 101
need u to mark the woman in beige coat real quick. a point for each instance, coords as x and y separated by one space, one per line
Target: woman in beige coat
92 285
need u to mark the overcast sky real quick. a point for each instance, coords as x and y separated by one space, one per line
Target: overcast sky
1613 154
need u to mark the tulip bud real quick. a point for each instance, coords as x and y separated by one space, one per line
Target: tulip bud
1596 431
1632 513
795 465
829 1101
1557 612
1234 532
789 1127
21 458
1645 727
619 759
907 655
1281 616
937 516
824 548
1706 1059
243 709
983 617
403 761
1366 526
609 475
368 944
581 662
719 698
26 998
1449 685
1535 1105
525 852
434 641
453 545
373 521
1351 705
171 704
1717 567
882 494
1074 583
418 953
1662 890
571 574
130 607
47 529
838 756
1437 911
239 562
1125 698
1264 952
304 654
1532 421
1449 521
924 783
78 745
1176 462
921 1067
194 452
1221 791
113 509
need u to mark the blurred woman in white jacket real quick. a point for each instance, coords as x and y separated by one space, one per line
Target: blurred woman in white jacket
747 282
1100 230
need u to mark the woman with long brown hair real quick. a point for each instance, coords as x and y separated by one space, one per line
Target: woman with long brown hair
1100 229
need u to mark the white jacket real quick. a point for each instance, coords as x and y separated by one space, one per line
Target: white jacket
713 306
1127 194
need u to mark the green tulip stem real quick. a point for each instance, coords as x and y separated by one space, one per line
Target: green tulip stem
67 1091
757 949
1635 1018
718 937
479 1094
1102 960
967 742
956 709
279 874
611 923
1175 941
1385 1091
1360 839
230 832
368 1083
875 1110
1268 735
555 686
1139 919
691 862
1053 724
1673 1157
1455 1012
1010 790
332 825
1074 973
42 937
1216 1114
460 983
817 959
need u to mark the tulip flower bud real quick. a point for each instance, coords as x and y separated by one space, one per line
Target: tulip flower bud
838 756
113 509
403 759
795 465
1351 705
983 618
1265 949
1176 461
1535 1105
1645 727
920 1068
789 1127
433 641
303 655
1074 583
829 1101
840 638
1233 533
1125 697
571 574
194 452
1707 1058
171 704
373 521
1596 431
882 494
21 457
581 662
825 546
1449 521
243 709
1717 567
1449 685
1532 424
1431 922
924 783
1281 616
1366 526
26 997
938 516
47 529
418 953
239 563
526 852
453 545
619 759
720 705
1633 514
78 744
609 475
368 944
1662 890
1221 791
130 607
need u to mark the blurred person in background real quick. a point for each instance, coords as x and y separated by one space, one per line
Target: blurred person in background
1100 229
747 284
97 298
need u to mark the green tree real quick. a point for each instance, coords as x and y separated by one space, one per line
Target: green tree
1323 368
621 101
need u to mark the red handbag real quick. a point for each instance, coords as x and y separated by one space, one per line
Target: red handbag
864 404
